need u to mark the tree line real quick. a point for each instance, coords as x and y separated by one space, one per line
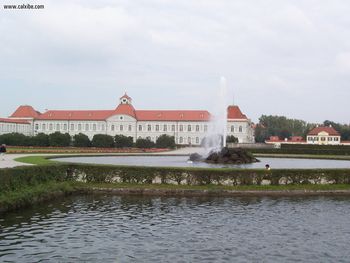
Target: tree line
58 139
284 127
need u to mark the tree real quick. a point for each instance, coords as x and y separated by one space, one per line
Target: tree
231 139
58 139
14 139
144 143
165 141
123 141
81 140
103 141
41 139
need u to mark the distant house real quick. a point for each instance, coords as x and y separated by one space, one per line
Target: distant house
276 141
323 135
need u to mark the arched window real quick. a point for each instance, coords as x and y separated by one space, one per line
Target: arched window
36 126
240 129
140 127
50 127
232 128
43 127
112 128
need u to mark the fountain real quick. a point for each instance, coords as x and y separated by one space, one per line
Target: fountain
215 141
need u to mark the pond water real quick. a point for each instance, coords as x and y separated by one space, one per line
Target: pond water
182 161
103 228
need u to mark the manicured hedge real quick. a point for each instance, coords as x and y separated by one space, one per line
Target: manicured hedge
15 178
306 149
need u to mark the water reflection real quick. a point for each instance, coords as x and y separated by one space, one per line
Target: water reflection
101 228
181 161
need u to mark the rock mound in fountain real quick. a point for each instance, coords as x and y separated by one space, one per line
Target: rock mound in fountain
226 156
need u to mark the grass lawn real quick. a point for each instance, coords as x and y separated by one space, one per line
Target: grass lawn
37 160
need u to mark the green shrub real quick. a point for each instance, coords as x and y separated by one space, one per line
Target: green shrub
122 141
102 141
58 139
165 141
81 140
144 143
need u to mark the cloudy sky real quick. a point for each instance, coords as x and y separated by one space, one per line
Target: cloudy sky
279 57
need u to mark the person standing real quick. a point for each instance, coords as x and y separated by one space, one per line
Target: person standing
3 151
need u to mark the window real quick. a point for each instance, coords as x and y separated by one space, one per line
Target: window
72 127
232 128
309 139
50 127
197 140
165 128
94 127
315 138
86 127
140 127
112 128
79 127
103 127
197 128
121 128
323 139
149 127
336 139
189 127
330 139
65 127
189 140
181 127
172 127
157 127
205 128
148 138
129 128
36 126
181 140
57 127
240 129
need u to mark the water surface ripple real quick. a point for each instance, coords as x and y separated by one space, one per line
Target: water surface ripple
159 229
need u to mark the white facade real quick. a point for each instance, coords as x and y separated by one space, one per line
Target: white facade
186 132
8 126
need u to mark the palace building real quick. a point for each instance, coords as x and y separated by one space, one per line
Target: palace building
188 127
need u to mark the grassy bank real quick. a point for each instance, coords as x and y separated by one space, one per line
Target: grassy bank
29 195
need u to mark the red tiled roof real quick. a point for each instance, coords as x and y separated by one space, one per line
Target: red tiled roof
125 109
25 111
234 112
172 115
329 130
76 115
14 121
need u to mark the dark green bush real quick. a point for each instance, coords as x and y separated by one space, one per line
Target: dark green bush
122 141
81 140
165 141
144 143
58 139
102 141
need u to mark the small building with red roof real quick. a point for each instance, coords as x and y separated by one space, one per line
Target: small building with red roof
323 135
187 126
